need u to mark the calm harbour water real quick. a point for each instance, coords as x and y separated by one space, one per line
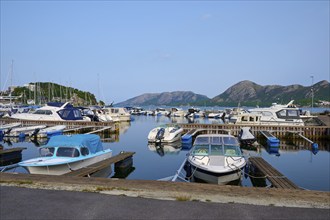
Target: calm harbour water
294 159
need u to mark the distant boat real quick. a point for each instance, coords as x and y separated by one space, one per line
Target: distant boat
276 114
64 153
48 131
165 134
8 126
246 137
53 112
162 112
117 114
215 158
22 131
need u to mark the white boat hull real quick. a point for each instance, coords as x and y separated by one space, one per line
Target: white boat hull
66 168
169 137
220 180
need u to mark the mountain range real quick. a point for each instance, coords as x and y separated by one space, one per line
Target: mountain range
244 93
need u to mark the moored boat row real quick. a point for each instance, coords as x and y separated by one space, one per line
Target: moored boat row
276 114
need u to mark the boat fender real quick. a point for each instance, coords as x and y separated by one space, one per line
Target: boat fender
315 148
187 168
21 135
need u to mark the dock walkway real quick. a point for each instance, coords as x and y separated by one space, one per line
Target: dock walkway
277 179
86 171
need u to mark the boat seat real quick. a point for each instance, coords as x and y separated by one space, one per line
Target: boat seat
231 152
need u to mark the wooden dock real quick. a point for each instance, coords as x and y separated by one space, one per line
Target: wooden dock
12 155
86 171
277 179
69 124
314 132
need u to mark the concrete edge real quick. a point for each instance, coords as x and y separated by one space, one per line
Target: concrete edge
173 190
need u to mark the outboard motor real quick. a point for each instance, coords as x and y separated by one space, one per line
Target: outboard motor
8 131
160 134
35 132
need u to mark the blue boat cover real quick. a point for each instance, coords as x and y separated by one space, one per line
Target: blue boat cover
91 141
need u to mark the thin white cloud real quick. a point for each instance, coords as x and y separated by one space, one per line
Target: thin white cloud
206 16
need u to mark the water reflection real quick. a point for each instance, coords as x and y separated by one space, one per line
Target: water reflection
124 168
10 156
297 160
165 148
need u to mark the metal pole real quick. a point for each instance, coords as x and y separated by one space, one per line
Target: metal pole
312 93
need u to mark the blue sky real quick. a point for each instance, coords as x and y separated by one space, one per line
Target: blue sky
121 49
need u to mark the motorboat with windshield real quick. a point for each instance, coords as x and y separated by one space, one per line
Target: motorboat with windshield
215 158
117 113
65 153
167 134
276 114
53 111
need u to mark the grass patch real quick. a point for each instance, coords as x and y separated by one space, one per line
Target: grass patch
182 198
87 190
19 182
101 188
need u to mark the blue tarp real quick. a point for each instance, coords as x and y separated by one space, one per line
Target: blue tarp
91 141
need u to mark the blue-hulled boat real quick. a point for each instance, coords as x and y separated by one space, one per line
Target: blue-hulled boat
65 153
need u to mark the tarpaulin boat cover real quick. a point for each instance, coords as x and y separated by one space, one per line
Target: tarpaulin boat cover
91 141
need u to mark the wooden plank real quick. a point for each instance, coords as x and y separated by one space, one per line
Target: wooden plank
277 179
85 171
5 151
99 130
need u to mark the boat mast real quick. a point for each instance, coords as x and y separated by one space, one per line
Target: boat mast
312 93
11 81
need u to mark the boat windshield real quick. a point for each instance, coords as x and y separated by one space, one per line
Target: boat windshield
216 140
227 146
232 151
46 151
67 152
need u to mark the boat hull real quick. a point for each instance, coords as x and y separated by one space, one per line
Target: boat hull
168 137
66 168
216 178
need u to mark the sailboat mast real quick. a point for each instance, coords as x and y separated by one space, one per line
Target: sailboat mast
11 81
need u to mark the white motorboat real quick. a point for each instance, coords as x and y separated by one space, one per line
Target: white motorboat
102 116
246 137
48 131
117 114
275 115
215 158
195 113
216 115
23 131
161 112
53 112
177 112
63 154
5 127
166 134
